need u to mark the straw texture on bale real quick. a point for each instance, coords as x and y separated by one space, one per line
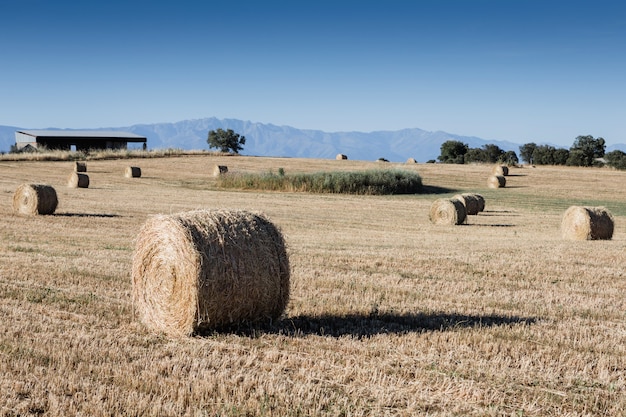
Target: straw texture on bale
132 172
587 223
474 203
78 180
481 202
496 181
411 161
500 170
33 199
80 167
206 269
341 156
447 211
219 170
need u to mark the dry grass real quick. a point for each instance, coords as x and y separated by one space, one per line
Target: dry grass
389 314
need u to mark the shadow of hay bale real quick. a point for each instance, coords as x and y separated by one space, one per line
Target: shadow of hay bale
363 326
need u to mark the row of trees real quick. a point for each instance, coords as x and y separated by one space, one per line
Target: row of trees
585 151
456 152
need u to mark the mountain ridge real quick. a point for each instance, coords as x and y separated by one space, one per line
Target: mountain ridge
266 139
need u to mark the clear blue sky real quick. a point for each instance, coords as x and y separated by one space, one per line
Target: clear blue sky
519 70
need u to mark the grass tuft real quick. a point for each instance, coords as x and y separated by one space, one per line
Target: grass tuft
370 182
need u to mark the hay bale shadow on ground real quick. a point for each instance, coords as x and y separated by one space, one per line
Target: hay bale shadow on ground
363 326
433 189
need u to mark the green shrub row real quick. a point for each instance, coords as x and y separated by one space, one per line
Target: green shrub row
372 182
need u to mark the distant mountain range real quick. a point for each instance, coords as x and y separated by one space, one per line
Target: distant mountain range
285 141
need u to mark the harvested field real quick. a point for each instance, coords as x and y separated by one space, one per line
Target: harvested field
388 314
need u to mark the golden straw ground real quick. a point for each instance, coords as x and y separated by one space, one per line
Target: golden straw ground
389 314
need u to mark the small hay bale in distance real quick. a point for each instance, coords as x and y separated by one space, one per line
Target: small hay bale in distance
80 167
209 269
78 180
411 161
132 172
500 170
341 156
33 199
587 223
448 211
496 181
474 203
219 170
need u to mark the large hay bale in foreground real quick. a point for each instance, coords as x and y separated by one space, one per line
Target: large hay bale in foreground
474 203
207 269
447 211
587 223
80 167
341 156
33 199
496 181
78 180
132 172
219 170
500 170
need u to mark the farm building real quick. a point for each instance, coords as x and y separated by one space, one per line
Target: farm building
75 139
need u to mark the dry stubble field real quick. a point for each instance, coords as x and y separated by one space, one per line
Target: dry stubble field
389 315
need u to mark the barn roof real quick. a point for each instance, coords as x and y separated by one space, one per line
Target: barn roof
95 134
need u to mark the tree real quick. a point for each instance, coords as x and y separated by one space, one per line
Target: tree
543 155
475 155
510 158
493 153
226 140
585 150
560 156
453 152
616 159
526 151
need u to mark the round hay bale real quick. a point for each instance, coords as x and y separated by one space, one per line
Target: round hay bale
78 180
411 161
208 269
587 223
80 167
447 211
219 170
500 170
132 172
472 202
33 199
341 156
496 181
481 202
